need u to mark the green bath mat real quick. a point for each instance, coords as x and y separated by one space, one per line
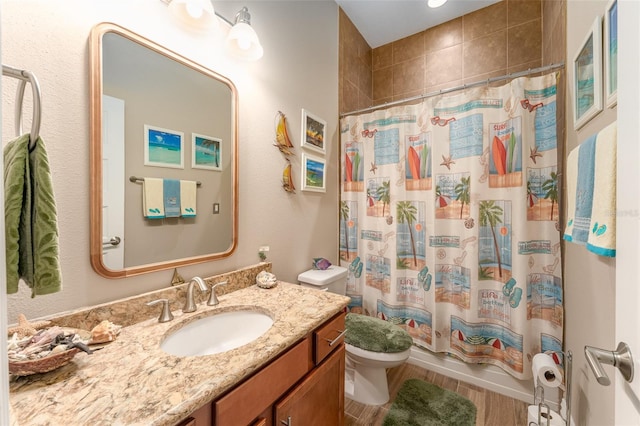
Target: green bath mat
420 403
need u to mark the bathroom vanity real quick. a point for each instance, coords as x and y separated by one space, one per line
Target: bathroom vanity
287 372
304 385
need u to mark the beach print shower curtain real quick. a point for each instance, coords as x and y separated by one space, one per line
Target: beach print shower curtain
449 221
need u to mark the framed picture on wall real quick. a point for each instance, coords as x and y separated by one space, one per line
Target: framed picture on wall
163 147
206 152
313 173
314 132
587 76
611 53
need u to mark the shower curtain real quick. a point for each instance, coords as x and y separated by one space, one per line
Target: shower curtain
449 221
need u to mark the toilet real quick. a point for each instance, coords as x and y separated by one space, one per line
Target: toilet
372 345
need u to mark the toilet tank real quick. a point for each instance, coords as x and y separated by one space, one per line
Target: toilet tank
333 279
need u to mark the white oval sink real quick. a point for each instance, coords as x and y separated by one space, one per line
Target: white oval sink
217 333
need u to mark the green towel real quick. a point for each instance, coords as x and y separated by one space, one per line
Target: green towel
31 227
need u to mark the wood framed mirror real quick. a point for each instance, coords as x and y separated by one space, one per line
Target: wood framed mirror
158 115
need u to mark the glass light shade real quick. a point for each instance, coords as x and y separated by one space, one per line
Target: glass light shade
242 42
436 3
197 14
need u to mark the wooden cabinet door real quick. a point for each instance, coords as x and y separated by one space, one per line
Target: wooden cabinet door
319 399
200 417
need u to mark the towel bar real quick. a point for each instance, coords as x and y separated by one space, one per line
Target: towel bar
139 179
24 77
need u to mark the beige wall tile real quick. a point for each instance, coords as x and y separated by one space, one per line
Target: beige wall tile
382 56
503 38
485 54
480 77
364 101
409 94
485 21
349 97
382 83
444 35
524 42
365 78
408 76
443 66
524 67
520 11
408 48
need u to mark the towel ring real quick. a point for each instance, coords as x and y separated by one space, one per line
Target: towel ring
24 77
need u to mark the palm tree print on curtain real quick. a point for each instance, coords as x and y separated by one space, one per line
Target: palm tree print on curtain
410 235
453 196
542 194
348 230
452 232
495 240
378 196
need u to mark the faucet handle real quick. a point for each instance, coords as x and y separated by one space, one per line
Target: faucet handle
213 299
165 314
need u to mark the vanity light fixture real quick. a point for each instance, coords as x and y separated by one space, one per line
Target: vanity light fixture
435 3
242 41
195 13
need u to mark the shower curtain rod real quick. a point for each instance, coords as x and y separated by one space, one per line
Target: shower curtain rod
460 87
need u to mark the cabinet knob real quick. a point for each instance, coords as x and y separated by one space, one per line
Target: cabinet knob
287 422
333 342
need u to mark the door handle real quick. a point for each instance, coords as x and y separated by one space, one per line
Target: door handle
620 358
113 241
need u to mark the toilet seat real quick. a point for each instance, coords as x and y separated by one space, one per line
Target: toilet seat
378 356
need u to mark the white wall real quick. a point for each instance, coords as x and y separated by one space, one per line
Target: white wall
589 279
299 70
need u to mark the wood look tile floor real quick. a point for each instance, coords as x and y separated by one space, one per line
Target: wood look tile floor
493 409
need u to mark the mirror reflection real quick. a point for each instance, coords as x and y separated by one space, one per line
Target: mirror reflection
164 157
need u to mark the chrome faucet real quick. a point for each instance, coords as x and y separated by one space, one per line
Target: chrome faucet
190 303
213 298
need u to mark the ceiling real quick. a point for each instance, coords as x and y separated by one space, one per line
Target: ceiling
382 21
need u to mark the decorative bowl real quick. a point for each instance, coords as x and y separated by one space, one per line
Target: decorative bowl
42 365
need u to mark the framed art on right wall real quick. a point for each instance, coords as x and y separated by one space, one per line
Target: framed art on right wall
611 53
587 76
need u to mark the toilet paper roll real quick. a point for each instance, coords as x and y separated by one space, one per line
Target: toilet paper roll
545 371
554 418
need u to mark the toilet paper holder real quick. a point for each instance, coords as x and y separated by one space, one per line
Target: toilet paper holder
538 391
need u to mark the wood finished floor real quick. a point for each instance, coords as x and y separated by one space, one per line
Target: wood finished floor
493 409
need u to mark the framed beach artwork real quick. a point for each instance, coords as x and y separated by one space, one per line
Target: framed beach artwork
611 53
587 76
314 132
163 147
313 173
206 152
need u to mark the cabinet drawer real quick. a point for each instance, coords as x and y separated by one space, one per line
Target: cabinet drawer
328 337
246 402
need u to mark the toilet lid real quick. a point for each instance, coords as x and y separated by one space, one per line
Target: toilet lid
376 335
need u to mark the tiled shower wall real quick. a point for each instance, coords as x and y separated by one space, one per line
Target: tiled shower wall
503 38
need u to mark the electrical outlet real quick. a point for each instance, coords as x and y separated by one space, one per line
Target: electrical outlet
264 249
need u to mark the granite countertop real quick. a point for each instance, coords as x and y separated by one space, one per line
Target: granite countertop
132 382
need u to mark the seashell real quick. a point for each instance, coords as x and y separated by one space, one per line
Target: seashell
321 263
104 332
266 280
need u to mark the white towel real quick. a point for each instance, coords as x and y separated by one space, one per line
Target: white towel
188 194
602 233
572 188
153 198
591 193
